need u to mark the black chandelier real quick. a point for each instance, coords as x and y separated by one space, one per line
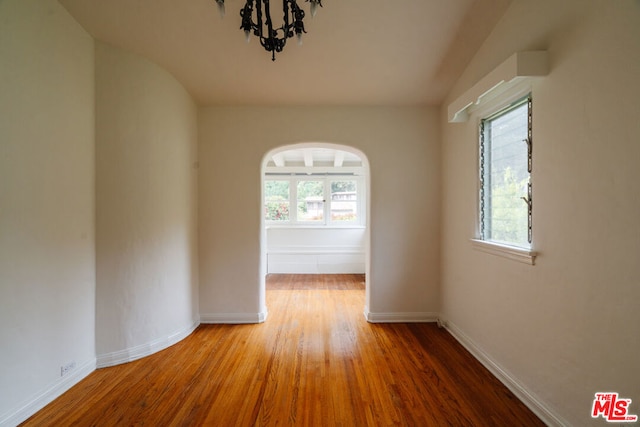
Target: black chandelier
273 39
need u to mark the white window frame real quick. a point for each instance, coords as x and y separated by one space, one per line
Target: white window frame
492 105
486 165
294 199
293 180
264 201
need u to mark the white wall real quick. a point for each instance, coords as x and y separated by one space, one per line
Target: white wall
146 224
402 146
47 269
316 250
567 327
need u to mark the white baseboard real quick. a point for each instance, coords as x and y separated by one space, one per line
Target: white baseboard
233 318
143 350
32 405
537 406
404 317
316 268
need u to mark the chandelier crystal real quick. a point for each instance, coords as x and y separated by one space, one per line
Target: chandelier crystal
256 19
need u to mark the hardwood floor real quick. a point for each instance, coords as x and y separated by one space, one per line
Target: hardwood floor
315 361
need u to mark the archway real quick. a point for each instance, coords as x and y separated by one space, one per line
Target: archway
335 180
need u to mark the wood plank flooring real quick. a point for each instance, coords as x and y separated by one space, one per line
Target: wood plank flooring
314 362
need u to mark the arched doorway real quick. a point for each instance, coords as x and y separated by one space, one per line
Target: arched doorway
315 211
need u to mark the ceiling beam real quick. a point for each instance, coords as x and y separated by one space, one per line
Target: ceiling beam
308 158
278 159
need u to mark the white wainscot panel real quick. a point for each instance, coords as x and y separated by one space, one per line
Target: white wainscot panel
316 250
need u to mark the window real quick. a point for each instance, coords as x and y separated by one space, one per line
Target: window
276 201
310 201
344 201
505 175
318 200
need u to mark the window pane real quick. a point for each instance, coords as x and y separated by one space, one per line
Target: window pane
344 201
310 201
506 177
276 200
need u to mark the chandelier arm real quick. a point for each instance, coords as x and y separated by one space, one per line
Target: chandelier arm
258 24
298 17
269 22
247 19
270 41
285 14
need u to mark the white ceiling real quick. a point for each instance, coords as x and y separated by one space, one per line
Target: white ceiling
356 52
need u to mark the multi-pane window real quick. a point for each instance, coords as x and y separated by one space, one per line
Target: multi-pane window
344 201
310 201
505 175
276 200
315 200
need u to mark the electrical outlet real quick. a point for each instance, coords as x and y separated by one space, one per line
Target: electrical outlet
64 370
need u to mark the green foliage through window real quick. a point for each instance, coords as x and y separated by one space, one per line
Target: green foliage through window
276 200
344 201
508 210
310 200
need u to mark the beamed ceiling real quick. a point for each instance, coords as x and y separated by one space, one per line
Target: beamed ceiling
313 157
356 52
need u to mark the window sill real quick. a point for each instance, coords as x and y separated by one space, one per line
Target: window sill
317 227
523 255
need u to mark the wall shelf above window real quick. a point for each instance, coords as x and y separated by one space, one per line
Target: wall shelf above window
513 71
